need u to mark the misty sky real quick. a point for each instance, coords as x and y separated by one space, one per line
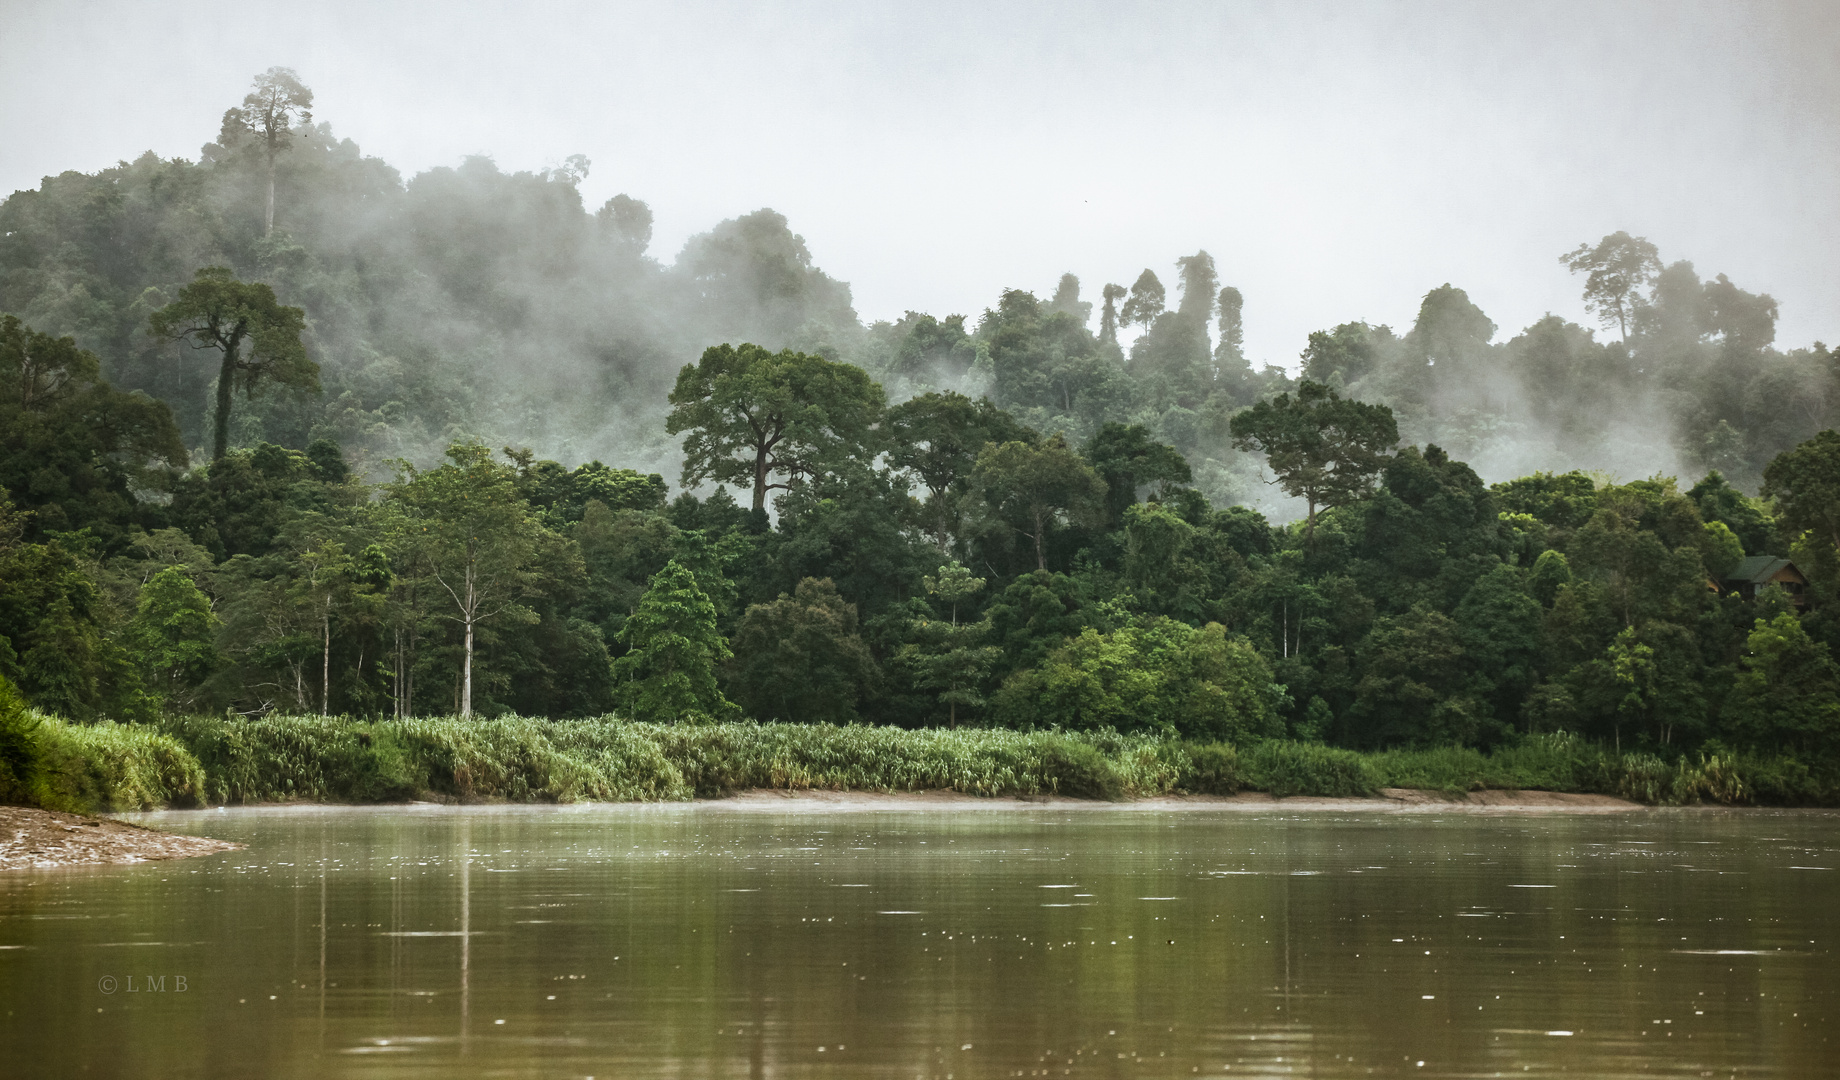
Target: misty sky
1338 161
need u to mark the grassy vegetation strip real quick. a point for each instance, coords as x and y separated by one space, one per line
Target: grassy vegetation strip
213 760
83 768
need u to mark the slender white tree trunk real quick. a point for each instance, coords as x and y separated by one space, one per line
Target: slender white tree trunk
466 675
325 662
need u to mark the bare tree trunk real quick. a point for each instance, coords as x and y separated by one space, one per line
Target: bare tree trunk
268 220
760 478
409 675
396 681
226 389
472 609
325 662
466 678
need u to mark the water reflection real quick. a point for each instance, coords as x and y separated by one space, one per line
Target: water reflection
619 941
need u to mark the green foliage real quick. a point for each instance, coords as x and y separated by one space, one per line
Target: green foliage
311 758
949 657
1126 458
1324 450
1787 691
669 673
72 447
1161 677
1720 503
937 437
800 657
466 529
1615 269
1804 484
244 503
20 753
171 638
1285 768
1414 607
754 415
1551 572
115 767
1565 501
1030 489
1418 688
256 334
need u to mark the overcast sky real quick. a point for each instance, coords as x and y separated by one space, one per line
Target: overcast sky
1338 161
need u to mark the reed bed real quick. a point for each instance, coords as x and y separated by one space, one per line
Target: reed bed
215 760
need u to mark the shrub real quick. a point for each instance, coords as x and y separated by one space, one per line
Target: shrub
20 752
1209 769
92 767
1285 768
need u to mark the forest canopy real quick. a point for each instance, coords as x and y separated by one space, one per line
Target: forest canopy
1013 518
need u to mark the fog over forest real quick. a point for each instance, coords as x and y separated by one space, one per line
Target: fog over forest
289 423
470 302
1339 165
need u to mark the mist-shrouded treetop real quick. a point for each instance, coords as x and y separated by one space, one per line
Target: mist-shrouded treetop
1616 270
1199 280
1145 302
266 116
1067 299
1109 320
753 274
629 221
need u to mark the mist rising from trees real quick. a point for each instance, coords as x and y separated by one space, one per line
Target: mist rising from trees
471 302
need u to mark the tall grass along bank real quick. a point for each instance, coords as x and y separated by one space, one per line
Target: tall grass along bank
216 760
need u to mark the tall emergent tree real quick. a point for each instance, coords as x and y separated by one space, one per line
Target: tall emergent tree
267 115
256 334
1231 305
1145 303
1617 269
1325 450
1108 318
466 526
754 415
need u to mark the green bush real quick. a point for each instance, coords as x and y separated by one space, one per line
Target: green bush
1283 768
1208 768
96 767
20 752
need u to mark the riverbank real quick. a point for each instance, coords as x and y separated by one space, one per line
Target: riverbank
213 761
46 839
1388 800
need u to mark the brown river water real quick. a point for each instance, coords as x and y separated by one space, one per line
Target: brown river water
706 940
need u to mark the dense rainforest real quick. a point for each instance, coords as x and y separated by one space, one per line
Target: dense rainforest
280 431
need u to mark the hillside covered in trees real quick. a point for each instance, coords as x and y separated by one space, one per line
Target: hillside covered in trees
251 409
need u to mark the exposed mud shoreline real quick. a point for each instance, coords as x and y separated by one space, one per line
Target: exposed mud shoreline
1391 800
47 839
